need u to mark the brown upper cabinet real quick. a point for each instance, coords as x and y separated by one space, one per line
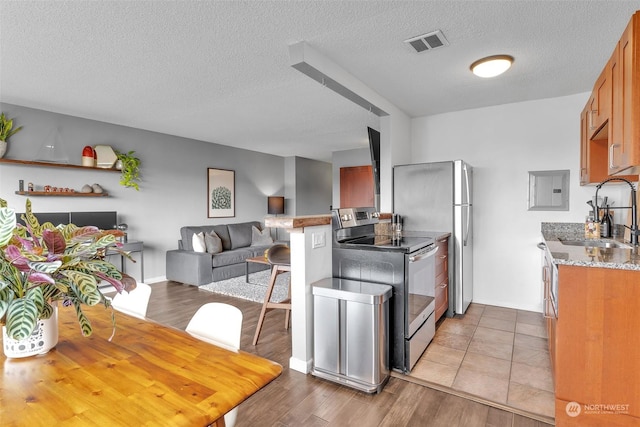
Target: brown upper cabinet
624 150
610 122
593 152
599 105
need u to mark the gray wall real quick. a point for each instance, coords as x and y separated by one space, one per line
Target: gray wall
307 188
313 186
174 172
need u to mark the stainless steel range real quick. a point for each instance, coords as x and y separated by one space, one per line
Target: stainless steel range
406 263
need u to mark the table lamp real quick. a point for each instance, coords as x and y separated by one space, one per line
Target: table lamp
275 206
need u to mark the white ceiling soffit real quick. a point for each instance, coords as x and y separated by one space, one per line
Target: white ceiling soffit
219 71
300 62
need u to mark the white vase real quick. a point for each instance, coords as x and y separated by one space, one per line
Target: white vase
3 148
43 339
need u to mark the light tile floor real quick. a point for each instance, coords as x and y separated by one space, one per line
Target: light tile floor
496 353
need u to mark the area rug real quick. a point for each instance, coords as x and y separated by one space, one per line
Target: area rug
255 290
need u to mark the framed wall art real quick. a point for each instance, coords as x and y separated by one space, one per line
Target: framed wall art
221 185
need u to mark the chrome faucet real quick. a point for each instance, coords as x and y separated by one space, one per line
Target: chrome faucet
633 207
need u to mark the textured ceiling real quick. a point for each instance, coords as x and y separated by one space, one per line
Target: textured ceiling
218 71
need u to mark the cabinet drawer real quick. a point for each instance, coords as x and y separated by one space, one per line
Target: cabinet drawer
441 278
442 299
442 289
442 265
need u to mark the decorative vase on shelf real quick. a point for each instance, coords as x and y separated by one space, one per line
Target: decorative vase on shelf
3 148
43 339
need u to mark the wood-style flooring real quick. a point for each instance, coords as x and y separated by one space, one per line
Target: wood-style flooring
295 399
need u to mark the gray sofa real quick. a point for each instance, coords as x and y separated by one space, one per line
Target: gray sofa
184 265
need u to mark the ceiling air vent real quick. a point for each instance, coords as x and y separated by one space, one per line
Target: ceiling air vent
429 41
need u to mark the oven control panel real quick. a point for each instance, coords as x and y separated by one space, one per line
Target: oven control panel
352 217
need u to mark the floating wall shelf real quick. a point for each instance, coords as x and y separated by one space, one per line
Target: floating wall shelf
55 165
60 194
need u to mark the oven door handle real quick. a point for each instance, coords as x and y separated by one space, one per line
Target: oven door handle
425 255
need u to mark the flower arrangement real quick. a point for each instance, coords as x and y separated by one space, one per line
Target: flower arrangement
41 264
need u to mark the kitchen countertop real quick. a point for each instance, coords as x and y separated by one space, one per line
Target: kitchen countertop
297 221
435 235
585 256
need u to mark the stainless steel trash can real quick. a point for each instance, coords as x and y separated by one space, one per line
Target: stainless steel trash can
351 333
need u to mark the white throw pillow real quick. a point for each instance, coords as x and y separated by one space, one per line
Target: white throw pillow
260 238
197 241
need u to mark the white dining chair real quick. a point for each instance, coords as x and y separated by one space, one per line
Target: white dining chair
218 324
134 303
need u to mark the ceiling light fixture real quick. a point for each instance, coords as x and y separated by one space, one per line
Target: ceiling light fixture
491 66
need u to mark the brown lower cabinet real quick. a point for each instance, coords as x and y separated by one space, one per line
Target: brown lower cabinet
595 347
442 277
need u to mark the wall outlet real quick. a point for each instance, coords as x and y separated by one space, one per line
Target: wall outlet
318 240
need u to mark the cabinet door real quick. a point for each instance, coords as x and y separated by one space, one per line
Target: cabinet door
593 154
548 308
584 170
600 104
356 186
625 136
442 278
597 345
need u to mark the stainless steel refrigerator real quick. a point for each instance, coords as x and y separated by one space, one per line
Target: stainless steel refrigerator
438 197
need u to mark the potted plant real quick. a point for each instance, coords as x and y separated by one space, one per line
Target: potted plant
6 131
130 169
42 265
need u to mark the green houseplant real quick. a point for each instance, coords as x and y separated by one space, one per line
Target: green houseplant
6 130
130 169
41 265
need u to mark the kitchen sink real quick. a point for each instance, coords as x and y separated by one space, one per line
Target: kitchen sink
597 244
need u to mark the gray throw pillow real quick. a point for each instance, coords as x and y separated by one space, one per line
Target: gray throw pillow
213 243
260 238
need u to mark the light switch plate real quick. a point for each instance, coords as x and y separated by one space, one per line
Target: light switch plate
317 240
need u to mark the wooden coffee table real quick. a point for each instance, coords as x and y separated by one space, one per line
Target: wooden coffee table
257 260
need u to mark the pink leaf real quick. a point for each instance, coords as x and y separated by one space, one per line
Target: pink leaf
26 244
54 241
40 278
114 282
15 257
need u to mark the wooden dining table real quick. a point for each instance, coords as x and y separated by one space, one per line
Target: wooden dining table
147 375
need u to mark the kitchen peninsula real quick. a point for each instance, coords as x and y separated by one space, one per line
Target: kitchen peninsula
592 306
310 238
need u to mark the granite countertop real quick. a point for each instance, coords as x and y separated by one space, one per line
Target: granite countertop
626 258
435 235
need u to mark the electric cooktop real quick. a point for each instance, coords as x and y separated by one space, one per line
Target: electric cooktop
385 242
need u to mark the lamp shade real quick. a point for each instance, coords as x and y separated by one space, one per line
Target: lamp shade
275 205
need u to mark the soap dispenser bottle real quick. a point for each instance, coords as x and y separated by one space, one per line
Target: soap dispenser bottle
591 227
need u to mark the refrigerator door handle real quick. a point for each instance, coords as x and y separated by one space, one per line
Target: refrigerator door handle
466 179
466 234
